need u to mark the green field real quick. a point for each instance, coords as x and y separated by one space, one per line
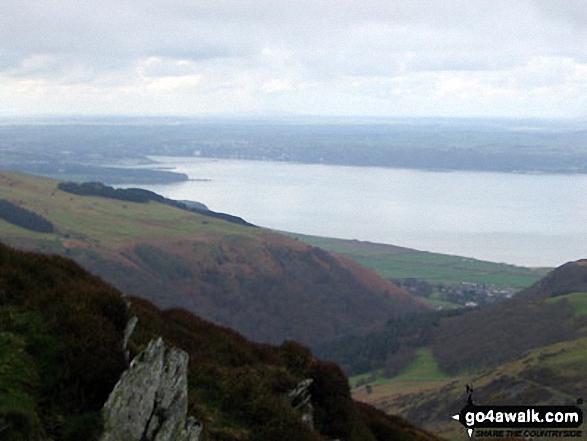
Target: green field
393 262
421 376
423 368
102 221
578 300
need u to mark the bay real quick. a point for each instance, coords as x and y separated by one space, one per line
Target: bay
523 219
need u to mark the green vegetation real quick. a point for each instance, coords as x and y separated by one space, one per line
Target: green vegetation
422 374
60 352
373 377
578 300
389 350
105 221
530 349
99 189
24 218
140 196
393 262
475 341
94 220
550 374
18 377
424 367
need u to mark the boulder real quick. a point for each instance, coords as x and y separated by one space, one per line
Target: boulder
149 402
300 399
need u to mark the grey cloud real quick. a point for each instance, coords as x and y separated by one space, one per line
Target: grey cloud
234 28
107 28
569 12
251 43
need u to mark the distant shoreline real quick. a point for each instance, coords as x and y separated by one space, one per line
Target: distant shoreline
538 172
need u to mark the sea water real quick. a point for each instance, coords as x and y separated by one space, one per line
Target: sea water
524 219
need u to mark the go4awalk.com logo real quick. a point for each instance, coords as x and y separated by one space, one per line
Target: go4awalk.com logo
521 421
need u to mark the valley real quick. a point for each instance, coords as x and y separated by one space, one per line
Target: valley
406 352
268 286
293 220
530 349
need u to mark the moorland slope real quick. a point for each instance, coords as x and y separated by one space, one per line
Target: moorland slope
61 352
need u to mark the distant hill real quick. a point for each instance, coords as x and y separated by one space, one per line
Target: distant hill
61 147
268 286
61 352
570 277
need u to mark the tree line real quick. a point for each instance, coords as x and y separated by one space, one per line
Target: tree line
140 195
24 218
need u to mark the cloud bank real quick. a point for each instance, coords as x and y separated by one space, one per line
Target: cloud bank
526 58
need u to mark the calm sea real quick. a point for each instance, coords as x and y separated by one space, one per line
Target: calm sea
524 219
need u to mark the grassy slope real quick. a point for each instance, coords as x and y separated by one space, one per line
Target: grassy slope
553 374
112 223
474 339
269 286
393 262
578 300
60 351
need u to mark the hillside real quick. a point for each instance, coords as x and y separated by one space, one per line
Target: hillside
439 279
268 286
490 336
553 374
61 352
469 339
527 350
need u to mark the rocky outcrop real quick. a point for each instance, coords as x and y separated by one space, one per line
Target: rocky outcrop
130 327
300 399
149 402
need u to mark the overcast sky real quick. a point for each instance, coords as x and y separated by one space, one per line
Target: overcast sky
515 58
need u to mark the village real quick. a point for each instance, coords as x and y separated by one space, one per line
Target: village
465 294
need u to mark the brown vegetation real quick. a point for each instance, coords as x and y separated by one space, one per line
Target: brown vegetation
271 290
493 335
268 286
60 351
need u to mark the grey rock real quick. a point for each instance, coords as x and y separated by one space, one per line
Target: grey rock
301 399
149 402
195 205
193 429
130 327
